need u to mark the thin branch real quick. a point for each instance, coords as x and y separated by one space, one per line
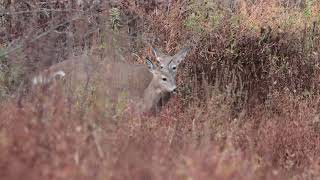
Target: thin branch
41 10
40 36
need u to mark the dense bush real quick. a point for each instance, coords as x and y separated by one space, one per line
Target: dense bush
249 51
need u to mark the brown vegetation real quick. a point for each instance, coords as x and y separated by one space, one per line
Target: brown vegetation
247 107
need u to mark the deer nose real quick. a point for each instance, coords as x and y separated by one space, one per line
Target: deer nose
174 90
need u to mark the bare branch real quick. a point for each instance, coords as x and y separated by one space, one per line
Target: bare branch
7 52
41 10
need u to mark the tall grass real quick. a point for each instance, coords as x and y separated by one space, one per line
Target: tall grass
48 139
247 107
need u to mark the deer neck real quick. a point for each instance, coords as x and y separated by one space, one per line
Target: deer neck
151 97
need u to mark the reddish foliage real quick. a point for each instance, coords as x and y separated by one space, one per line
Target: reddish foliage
171 146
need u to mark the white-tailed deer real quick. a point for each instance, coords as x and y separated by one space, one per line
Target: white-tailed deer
142 85
169 64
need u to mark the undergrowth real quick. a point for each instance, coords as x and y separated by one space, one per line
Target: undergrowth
247 105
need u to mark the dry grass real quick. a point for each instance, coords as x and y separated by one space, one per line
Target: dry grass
247 108
49 140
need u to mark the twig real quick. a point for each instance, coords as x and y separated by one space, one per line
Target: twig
41 10
40 36
97 143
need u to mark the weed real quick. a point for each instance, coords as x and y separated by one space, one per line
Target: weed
115 19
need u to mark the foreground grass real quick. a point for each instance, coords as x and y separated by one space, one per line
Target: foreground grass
52 140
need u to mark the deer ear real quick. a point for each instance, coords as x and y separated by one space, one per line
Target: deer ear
180 56
157 53
150 65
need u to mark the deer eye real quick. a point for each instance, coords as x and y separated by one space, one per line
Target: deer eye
161 67
164 79
174 67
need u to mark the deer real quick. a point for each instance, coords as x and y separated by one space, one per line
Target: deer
144 85
169 64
